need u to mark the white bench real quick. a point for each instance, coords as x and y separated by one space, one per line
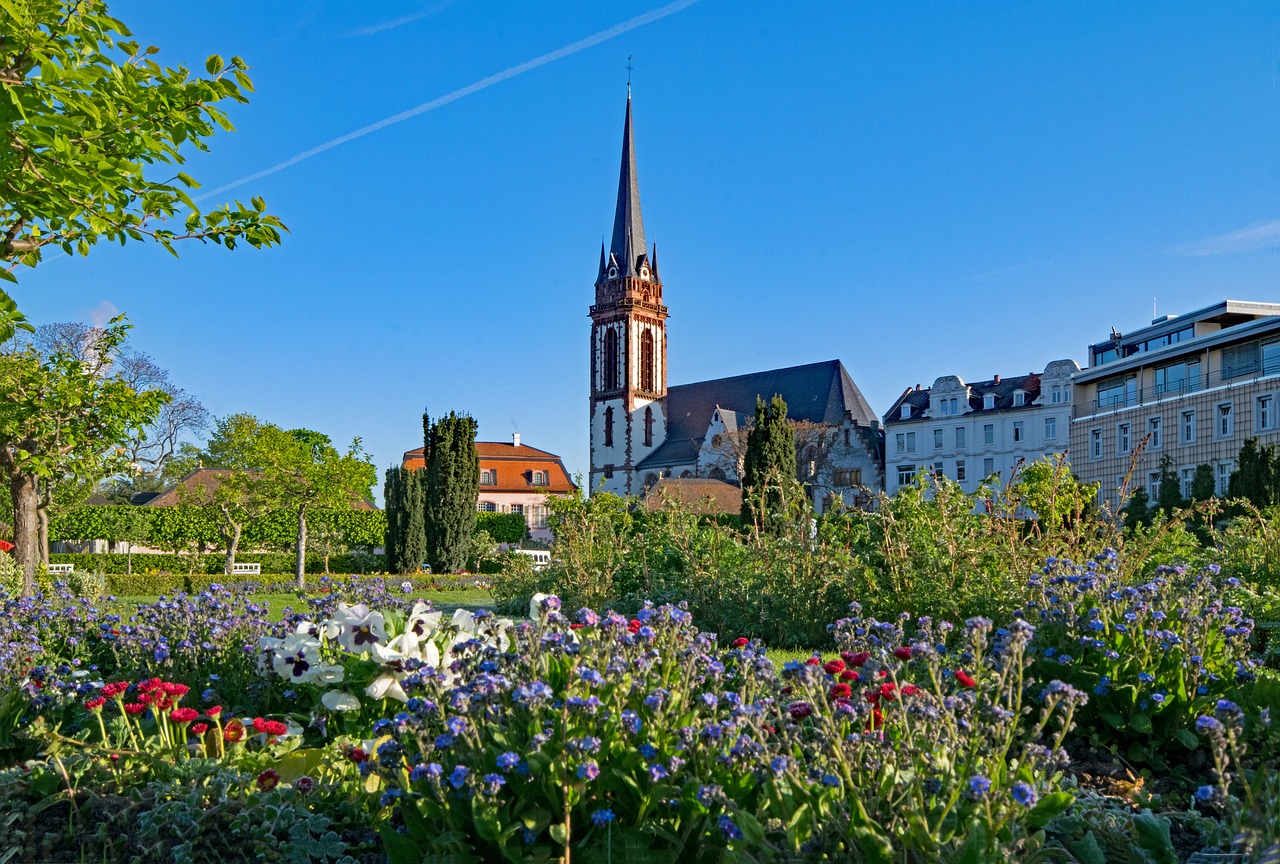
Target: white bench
541 557
61 569
246 569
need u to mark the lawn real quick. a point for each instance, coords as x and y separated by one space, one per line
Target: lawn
443 600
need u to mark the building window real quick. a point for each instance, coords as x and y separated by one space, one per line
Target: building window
937 471
900 442
1188 477
1122 438
988 401
489 477
539 478
538 516
1226 427
960 475
937 439
1050 428
850 477
517 508
648 426
1066 393
1018 434
1154 425
1178 378
1095 443
1056 394
1116 392
646 361
610 352
906 474
1266 414
961 436
988 433
1153 486
1019 398
988 466
1188 427
943 408
955 405
486 507
846 437
1222 479
608 426
608 472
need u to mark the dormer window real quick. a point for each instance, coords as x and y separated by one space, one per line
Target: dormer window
539 478
1019 398
489 477
988 401
906 412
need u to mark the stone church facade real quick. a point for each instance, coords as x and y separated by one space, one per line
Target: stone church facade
643 431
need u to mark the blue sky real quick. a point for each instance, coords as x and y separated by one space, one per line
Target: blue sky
917 190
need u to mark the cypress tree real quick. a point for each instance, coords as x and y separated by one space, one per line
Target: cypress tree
769 484
1202 484
393 539
1254 477
452 486
1170 497
413 545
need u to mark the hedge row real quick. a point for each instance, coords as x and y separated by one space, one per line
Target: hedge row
211 564
174 527
155 584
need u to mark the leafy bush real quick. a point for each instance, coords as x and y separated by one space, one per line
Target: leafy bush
503 527
115 563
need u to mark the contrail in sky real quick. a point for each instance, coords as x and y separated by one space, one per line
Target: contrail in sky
580 45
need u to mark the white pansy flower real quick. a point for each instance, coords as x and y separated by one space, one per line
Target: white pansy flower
361 628
297 658
267 647
422 621
329 673
386 687
338 700
464 621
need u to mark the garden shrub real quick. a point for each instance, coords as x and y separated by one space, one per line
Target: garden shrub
212 563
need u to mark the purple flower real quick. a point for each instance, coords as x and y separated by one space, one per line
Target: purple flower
978 787
1024 793
588 771
603 816
728 828
458 778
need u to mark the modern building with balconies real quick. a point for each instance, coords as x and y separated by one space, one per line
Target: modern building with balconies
1193 386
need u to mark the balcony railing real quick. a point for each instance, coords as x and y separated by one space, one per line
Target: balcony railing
1185 387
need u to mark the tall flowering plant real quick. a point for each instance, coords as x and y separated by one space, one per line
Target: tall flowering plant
1153 656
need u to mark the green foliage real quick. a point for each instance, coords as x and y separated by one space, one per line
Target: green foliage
1203 486
771 494
453 483
503 527
172 570
1256 477
87 113
1169 497
404 496
1137 510
178 527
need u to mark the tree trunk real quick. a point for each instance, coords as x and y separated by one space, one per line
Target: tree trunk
42 531
300 571
26 534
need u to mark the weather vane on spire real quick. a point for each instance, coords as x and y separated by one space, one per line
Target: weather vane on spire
628 74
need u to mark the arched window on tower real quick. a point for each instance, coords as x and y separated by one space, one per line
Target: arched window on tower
648 427
610 352
646 361
608 426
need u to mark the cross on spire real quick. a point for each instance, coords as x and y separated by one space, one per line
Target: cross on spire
628 76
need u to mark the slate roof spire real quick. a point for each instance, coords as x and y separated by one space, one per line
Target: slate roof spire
628 247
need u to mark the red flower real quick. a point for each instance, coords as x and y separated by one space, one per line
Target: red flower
176 689
741 642
148 685
855 659
883 673
214 711
304 784
888 691
799 710
134 708
575 626
876 721
633 626
114 689
965 678
903 653
146 698
849 675
910 690
233 732
357 755
786 691
841 691
272 728
268 780
183 715
833 667
200 728
814 661
164 703
95 704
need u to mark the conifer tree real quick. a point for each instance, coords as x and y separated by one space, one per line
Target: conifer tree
1138 509
769 484
393 538
1170 496
406 535
453 484
1254 478
1202 484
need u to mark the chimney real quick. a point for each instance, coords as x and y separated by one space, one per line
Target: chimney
997 379
515 439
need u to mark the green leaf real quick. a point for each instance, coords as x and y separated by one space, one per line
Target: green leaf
1141 723
974 850
1049 806
1087 851
557 832
1187 738
214 64
1113 718
1153 836
400 849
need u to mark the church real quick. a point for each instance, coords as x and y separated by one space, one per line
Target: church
643 431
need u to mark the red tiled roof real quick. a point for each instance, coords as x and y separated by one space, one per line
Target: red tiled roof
514 466
201 483
699 495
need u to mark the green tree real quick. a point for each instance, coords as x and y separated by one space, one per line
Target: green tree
405 498
453 484
770 490
87 115
63 418
1254 477
1137 510
1203 486
1169 497
239 496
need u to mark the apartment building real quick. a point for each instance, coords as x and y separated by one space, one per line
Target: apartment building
1194 386
969 432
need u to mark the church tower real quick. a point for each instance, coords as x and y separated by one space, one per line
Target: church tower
628 343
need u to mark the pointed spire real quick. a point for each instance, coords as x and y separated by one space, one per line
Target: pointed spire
653 261
628 245
603 266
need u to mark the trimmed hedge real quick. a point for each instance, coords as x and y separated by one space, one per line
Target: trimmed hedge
211 563
169 527
503 527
